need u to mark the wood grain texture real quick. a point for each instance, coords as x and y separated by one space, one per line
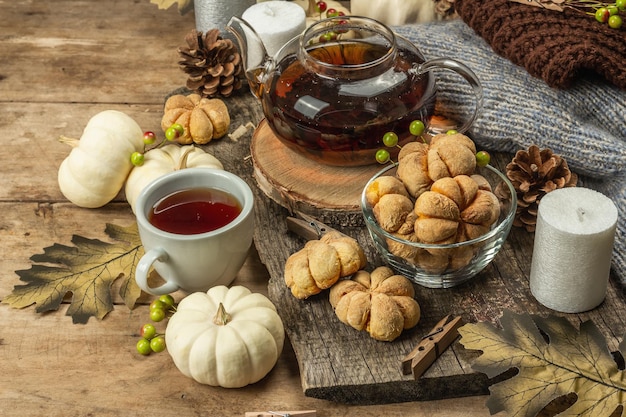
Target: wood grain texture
340 364
329 192
66 60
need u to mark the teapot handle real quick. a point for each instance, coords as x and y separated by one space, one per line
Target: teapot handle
257 64
465 72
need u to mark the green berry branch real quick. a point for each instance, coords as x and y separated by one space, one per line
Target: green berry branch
325 12
322 7
609 13
171 134
151 340
417 128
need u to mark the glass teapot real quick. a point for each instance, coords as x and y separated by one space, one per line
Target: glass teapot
332 92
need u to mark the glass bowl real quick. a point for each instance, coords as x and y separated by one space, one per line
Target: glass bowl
444 265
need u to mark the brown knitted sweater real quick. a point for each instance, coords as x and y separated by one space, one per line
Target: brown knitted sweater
555 46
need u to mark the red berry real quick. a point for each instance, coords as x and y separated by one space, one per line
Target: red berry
341 22
332 12
320 6
149 137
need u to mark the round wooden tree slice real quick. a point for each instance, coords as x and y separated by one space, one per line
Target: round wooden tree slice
331 194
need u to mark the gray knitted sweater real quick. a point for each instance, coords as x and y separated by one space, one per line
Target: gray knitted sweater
585 124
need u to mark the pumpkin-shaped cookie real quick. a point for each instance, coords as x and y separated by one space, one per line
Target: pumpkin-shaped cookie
321 263
390 202
202 119
455 210
421 164
451 155
384 185
379 302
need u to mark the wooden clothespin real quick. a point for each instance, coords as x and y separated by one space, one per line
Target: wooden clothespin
431 346
308 227
304 413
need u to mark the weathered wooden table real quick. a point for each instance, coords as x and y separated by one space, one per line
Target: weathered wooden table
64 61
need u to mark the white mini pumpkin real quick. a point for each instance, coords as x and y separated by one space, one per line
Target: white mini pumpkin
227 337
95 170
161 161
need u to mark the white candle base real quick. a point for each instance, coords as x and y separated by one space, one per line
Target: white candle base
573 247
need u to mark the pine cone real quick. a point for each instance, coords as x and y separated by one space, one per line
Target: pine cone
445 9
213 64
534 173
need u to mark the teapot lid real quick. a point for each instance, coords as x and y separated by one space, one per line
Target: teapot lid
323 47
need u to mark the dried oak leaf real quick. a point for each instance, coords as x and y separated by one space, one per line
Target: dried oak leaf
87 270
553 359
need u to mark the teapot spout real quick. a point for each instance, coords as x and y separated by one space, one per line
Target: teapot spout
253 53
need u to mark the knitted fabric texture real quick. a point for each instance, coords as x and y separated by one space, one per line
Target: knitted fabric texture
557 47
585 124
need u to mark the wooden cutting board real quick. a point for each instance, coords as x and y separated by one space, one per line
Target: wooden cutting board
338 363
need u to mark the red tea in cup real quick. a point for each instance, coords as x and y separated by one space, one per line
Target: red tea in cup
194 210
196 226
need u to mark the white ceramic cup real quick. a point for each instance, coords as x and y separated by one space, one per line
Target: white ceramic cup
194 262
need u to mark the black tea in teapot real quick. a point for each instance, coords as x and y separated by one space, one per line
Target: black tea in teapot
340 116
332 92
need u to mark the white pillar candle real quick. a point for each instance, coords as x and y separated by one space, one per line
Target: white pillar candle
276 22
573 246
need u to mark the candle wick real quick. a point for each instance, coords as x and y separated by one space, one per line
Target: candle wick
581 214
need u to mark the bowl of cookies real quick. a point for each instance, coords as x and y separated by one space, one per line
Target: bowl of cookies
436 216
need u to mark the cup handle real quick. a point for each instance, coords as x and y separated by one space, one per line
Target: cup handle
465 72
143 268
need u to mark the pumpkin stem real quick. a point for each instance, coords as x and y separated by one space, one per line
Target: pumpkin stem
182 163
221 317
69 141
